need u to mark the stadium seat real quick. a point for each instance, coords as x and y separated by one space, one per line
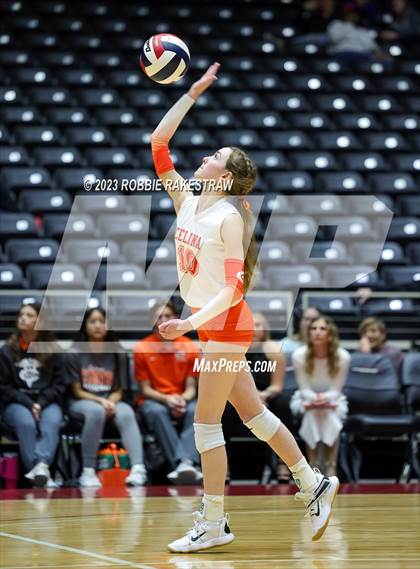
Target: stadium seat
83 252
77 225
367 252
13 155
44 201
24 251
58 156
16 178
123 226
402 277
402 228
353 276
278 181
301 276
11 276
95 204
334 306
410 205
340 182
317 205
17 225
292 227
410 380
413 252
373 392
321 254
116 277
273 253
72 178
388 307
64 276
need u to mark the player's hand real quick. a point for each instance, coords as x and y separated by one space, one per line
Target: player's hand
175 328
204 82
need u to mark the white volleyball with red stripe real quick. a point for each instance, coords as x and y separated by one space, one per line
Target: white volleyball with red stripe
165 58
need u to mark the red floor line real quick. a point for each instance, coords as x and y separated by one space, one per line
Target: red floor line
175 491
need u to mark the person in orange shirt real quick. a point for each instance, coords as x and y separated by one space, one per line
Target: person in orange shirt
165 371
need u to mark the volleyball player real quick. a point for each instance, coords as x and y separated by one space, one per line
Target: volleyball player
215 261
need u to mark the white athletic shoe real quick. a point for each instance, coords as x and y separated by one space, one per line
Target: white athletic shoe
203 535
88 479
137 476
39 475
185 473
319 503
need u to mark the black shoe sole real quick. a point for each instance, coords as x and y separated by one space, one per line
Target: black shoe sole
40 481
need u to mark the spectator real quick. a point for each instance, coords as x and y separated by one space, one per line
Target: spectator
97 379
372 332
289 345
269 383
165 371
32 387
263 349
351 43
321 369
264 352
406 22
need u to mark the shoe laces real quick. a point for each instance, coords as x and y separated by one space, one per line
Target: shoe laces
308 497
199 526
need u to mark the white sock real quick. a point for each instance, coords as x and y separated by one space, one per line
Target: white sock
304 476
212 507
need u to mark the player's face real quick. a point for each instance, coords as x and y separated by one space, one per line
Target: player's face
319 332
375 336
214 167
26 319
96 327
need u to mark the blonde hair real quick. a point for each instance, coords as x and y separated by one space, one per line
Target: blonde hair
333 345
267 333
244 174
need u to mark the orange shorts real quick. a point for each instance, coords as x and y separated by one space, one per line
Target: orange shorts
234 326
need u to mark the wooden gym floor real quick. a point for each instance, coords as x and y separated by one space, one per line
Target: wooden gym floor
372 527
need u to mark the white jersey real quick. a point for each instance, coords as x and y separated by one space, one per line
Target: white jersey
200 251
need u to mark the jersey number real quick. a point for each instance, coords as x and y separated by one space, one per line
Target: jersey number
187 261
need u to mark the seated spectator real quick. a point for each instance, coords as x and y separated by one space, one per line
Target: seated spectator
321 369
263 349
405 24
289 345
372 332
269 383
165 371
97 377
32 386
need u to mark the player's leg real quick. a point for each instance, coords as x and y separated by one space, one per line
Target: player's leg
214 385
317 491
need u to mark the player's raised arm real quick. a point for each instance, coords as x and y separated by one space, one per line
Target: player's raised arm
173 182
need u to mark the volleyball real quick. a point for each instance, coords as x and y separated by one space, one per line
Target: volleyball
165 58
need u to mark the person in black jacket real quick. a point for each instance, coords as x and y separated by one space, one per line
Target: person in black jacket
32 387
98 375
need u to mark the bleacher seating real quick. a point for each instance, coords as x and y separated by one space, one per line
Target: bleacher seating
74 105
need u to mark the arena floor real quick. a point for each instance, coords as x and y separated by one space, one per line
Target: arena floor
373 526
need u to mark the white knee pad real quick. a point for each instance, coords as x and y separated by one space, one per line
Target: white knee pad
264 426
208 437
